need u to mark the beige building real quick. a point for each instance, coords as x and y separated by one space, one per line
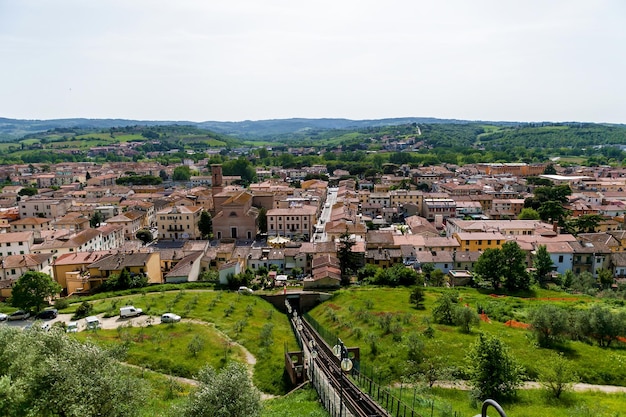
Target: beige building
14 266
292 221
179 222
237 219
41 207
30 223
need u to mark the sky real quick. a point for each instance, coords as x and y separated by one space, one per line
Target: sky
233 60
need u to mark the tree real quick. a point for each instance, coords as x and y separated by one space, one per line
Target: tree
417 297
492 371
585 223
227 393
549 323
205 224
262 219
33 289
181 173
604 325
543 265
96 219
43 367
487 266
144 235
528 213
465 318
549 170
28 191
552 211
513 267
557 375
163 175
345 255
606 278
444 311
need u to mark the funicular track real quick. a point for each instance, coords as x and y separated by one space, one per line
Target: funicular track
356 402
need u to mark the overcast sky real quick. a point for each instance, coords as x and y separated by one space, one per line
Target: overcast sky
555 60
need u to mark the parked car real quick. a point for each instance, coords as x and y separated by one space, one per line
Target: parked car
19 315
170 318
48 314
72 327
130 311
245 290
3 317
92 323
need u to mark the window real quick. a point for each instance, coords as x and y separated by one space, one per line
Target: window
560 258
21 244
13 272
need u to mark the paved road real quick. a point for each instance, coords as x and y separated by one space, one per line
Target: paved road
331 199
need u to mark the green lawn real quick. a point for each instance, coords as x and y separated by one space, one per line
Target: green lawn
241 317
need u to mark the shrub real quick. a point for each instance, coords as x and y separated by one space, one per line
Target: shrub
83 310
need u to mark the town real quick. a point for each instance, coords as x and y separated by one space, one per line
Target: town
294 230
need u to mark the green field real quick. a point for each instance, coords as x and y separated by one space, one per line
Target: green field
240 317
164 347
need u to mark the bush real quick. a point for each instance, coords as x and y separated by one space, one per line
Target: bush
61 303
83 310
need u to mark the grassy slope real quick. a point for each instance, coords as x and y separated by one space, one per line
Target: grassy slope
209 307
348 315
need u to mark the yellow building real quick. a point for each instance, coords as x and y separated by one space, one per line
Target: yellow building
137 263
479 240
179 222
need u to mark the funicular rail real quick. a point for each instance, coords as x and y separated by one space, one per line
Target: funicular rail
356 402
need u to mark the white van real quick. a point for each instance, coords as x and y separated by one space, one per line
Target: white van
130 311
92 323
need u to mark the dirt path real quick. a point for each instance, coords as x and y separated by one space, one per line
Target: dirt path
579 387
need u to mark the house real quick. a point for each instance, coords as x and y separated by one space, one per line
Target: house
90 239
179 222
70 270
17 243
131 221
43 207
143 263
297 220
12 267
74 222
31 223
186 270
229 269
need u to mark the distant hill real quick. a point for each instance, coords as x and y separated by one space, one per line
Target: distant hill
259 129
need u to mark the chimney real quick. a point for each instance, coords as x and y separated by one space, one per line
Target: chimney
555 227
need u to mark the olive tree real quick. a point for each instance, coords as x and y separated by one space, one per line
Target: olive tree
228 393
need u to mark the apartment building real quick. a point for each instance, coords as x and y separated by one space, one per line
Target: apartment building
179 222
293 221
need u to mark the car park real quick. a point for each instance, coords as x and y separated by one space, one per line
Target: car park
48 314
170 318
19 315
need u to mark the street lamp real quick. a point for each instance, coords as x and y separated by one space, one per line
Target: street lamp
341 352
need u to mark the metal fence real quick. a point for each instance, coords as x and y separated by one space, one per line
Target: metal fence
396 404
